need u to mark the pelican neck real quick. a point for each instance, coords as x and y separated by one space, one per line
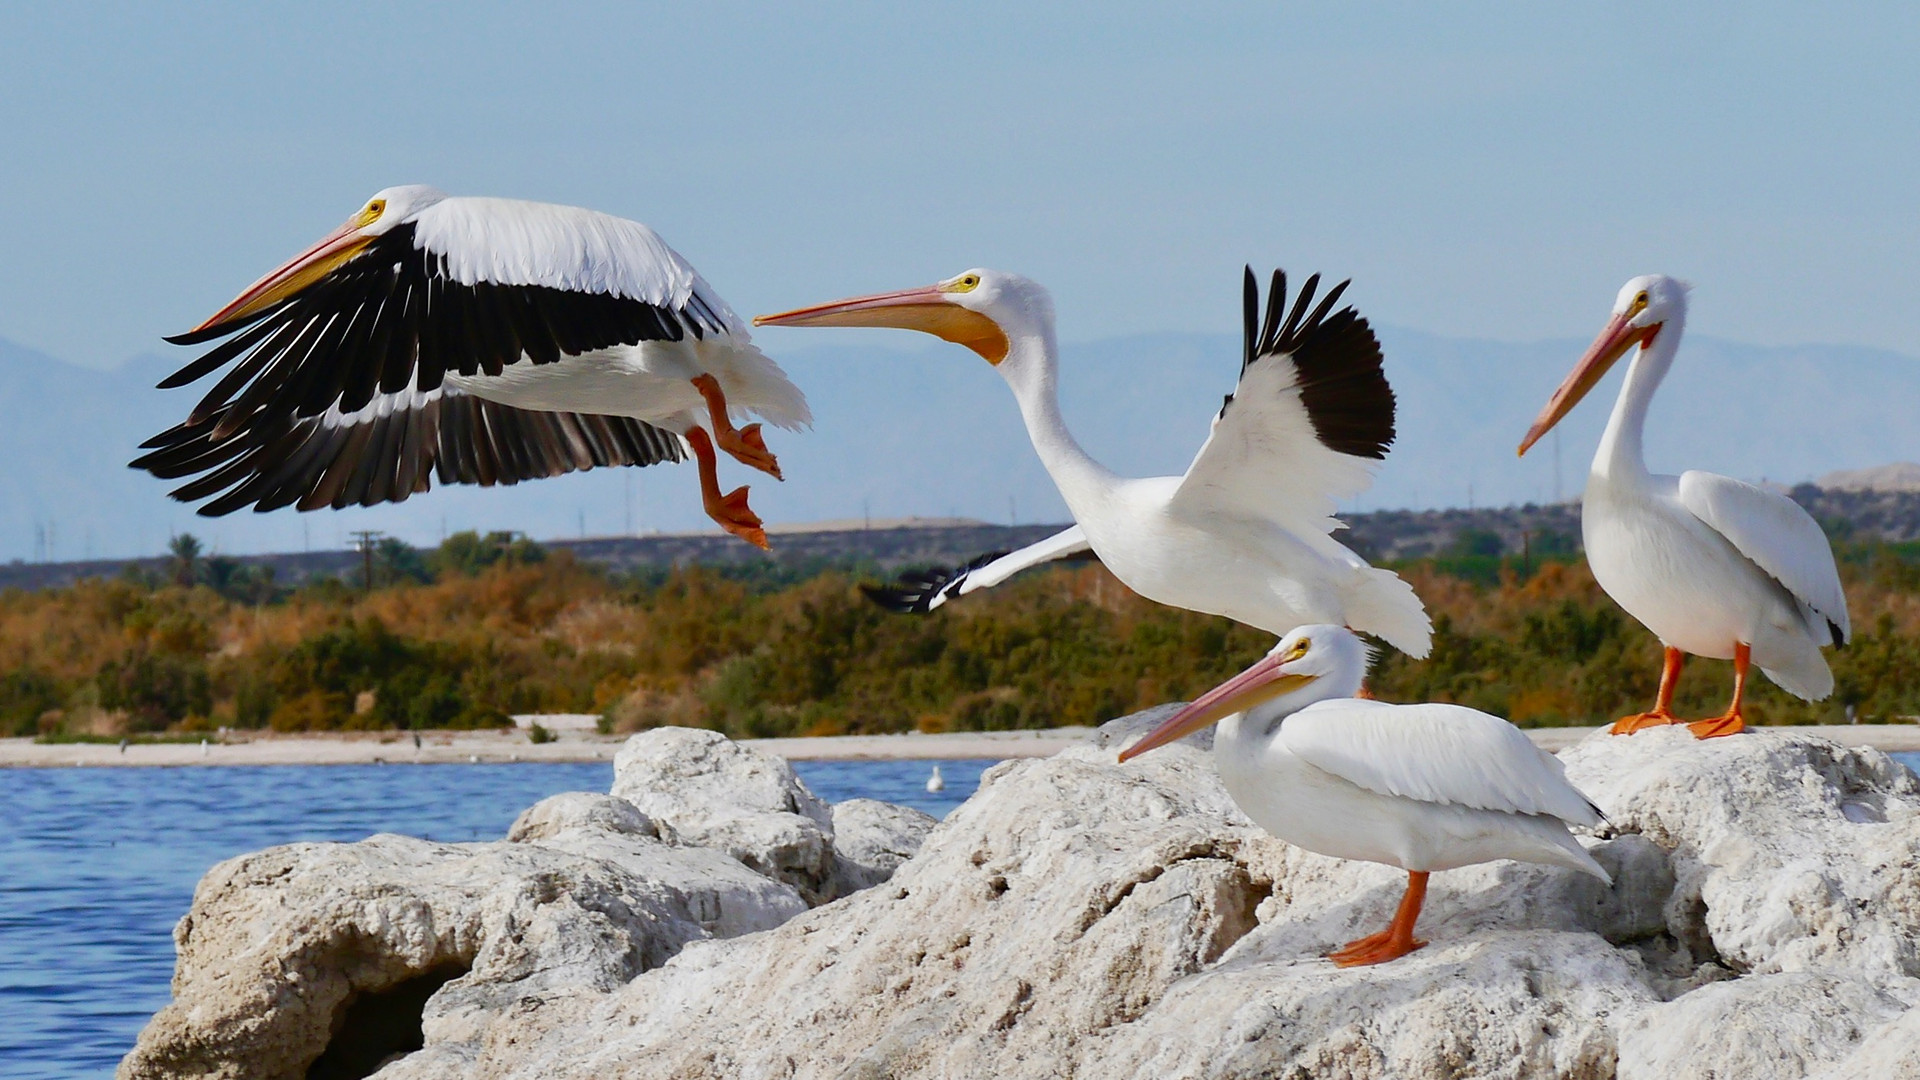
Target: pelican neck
1031 369
1621 454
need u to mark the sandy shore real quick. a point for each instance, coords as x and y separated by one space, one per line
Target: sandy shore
505 747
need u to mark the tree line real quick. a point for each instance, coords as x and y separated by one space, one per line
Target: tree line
483 626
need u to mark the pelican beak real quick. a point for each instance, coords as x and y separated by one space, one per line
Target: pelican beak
930 310
1264 681
299 272
1613 342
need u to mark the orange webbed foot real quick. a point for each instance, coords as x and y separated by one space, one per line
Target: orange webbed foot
1729 724
1374 949
1627 725
733 514
748 447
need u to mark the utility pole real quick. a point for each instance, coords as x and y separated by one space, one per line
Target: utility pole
365 539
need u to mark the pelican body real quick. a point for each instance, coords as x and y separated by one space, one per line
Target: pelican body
1245 532
1423 787
483 340
1713 566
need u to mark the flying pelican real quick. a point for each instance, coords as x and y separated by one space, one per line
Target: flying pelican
1421 787
1713 566
485 340
1244 533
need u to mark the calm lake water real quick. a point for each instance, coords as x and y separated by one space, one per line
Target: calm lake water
96 865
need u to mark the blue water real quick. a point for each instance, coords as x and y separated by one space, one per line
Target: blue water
96 865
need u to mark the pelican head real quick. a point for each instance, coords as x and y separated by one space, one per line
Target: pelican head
1313 663
985 310
386 210
1645 305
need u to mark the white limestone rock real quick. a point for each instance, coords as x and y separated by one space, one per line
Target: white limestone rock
580 810
701 788
300 951
1078 918
871 839
1764 1027
1790 852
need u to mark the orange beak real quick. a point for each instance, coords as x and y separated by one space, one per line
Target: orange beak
299 272
1613 342
1264 681
930 310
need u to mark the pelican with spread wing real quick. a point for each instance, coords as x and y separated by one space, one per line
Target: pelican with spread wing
1423 787
1713 566
1246 532
482 341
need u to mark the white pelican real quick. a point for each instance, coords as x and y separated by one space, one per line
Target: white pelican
1421 787
1713 566
1244 533
936 783
488 340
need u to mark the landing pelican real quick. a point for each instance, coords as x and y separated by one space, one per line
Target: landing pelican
1713 566
1421 787
1244 533
485 340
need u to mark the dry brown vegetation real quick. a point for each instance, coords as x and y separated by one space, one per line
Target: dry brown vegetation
520 633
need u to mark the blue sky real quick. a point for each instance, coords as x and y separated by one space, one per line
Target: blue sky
1481 170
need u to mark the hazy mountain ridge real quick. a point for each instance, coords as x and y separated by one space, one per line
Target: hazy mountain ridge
913 427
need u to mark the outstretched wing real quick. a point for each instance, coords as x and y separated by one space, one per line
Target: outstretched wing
1436 753
920 593
390 450
1781 538
1311 418
469 286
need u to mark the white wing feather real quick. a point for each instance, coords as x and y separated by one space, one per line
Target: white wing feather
513 242
1778 535
1262 460
1068 541
1435 753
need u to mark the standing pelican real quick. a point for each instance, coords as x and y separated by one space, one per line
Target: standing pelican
1421 787
1713 566
488 340
1244 533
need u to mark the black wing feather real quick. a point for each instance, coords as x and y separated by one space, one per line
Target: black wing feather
1337 362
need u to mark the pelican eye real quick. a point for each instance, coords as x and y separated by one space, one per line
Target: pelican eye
375 209
1640 302
1300 648
964 283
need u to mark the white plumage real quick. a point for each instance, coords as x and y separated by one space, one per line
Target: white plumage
1244 533
1423 787
480 340
1713 566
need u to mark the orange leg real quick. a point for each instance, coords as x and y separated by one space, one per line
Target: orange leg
1729 722
745 444
729 510
1662 706
1397 939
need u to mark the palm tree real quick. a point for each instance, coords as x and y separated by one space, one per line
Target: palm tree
186 557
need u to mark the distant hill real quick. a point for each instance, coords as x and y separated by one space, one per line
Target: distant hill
1381 535
909 426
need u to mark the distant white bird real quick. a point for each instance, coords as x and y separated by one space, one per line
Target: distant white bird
1245 532
1713 566
1421 787
483 340
935 782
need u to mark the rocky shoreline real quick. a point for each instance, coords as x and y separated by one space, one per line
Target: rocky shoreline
711 918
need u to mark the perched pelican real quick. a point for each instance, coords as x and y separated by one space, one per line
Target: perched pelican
1713 566
936 783
485 340
1244 533
1421 787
